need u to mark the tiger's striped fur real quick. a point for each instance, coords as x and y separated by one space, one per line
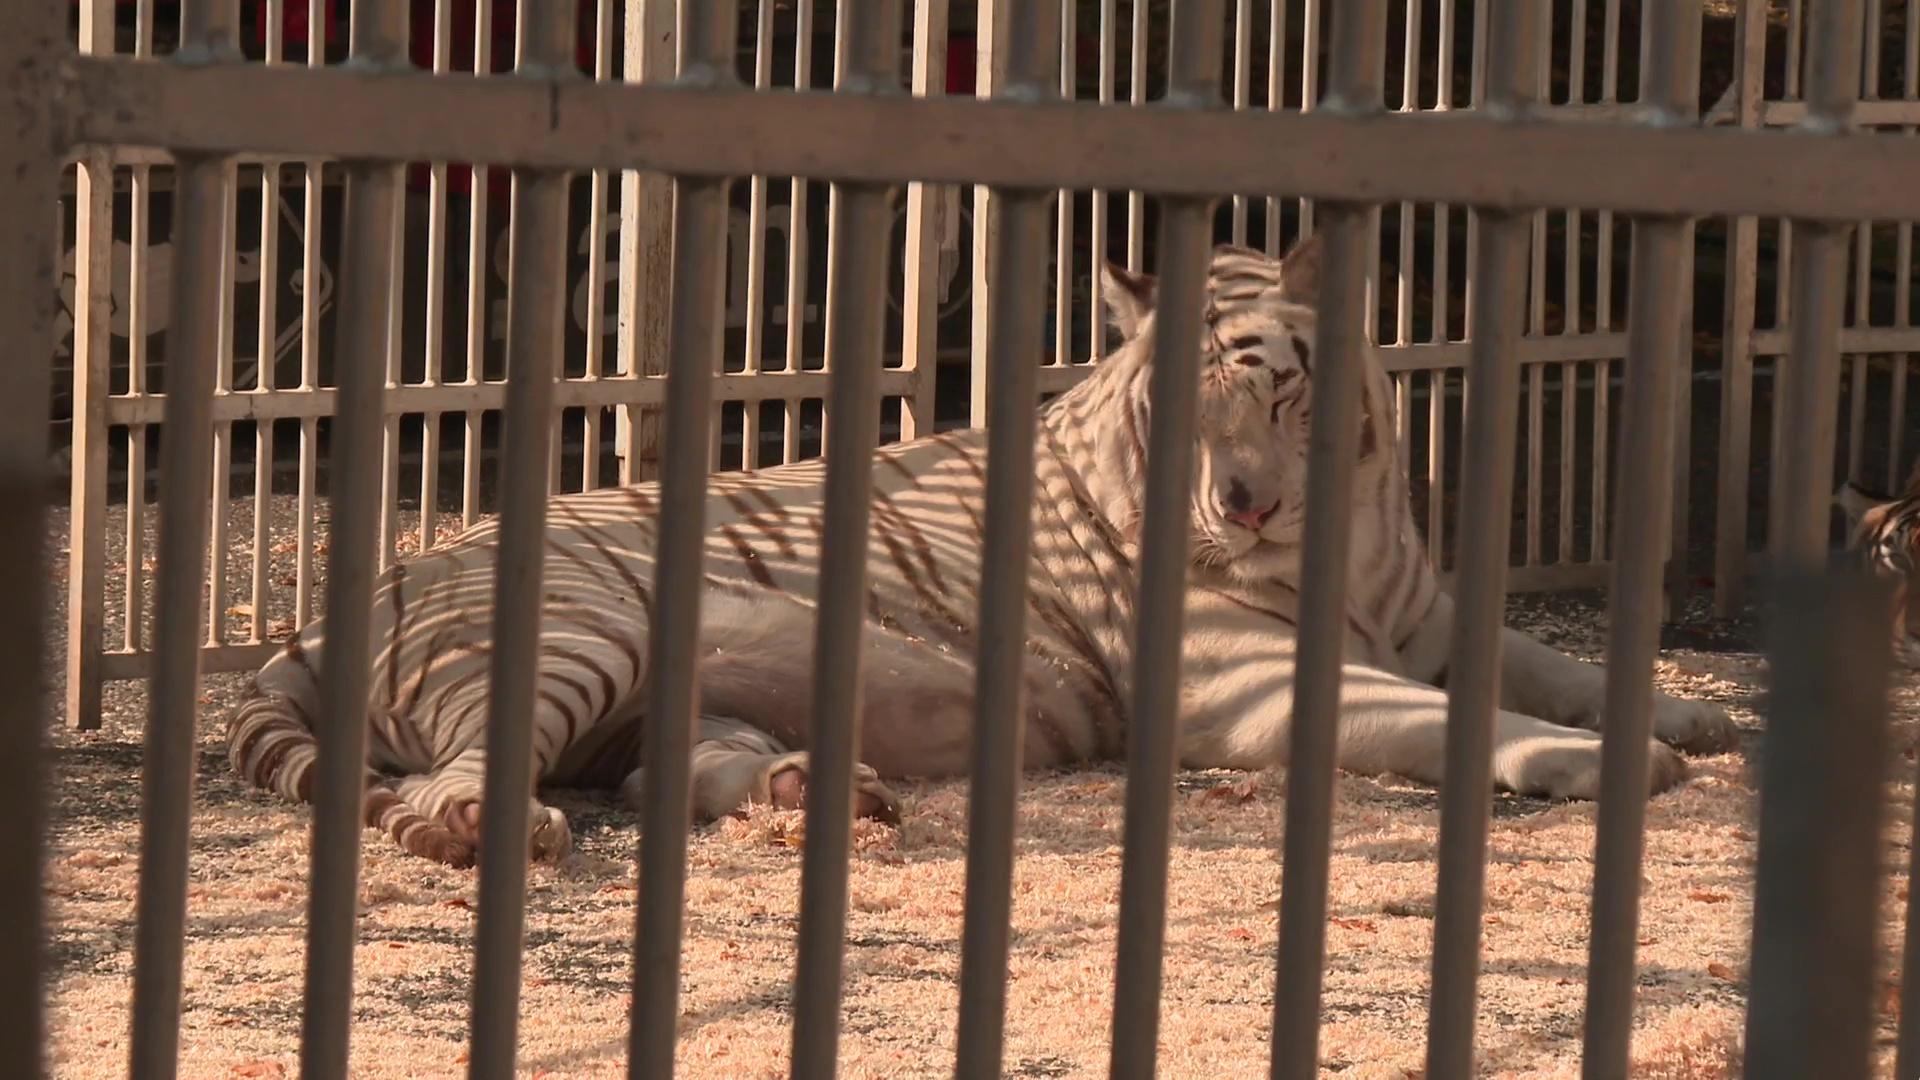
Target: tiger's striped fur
427 715
1885 531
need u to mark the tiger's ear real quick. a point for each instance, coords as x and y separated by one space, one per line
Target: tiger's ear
1129 297
1860 507
1300 272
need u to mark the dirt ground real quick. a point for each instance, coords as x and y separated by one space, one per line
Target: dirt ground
250 860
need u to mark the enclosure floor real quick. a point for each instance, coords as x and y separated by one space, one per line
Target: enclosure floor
250 862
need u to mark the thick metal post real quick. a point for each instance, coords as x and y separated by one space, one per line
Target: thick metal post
867 47
29 196
1160 598
536 287
1357 39
1822 797
696 328
1657 346
1808 396
999 725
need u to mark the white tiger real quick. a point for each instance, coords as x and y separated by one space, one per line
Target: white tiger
427 716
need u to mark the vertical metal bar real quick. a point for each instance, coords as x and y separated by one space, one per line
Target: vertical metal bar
1816 888
1437 380
1137 95
1903 272
1597 527
478 329
989 73
216 554
797 274
598 184
1857 364
698 296
266 349
1185 231
1354 87
1907 1042
926 208
1809 404
1870 56
378 39
200 231
1657 345
1276 100
310 242
1902 317
698 292
1500 277
1242 93
1183 248
389 523
1063 243
646 241
757 202
1409 213
29 35
999 698
92 382
1098 226
1569 420
1309 89
138 302
436 307
1736 358
536 289
867 56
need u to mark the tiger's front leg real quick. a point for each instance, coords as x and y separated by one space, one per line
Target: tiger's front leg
1237 711
1541 680
1538 680
736 765
1391 725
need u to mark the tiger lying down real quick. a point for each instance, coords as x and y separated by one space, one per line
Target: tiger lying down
427 715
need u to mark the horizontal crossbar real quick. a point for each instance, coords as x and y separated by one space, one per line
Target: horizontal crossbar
1464 158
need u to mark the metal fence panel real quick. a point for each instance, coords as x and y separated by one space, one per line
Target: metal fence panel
1504 164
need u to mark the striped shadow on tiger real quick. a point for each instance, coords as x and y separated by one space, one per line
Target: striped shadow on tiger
427 714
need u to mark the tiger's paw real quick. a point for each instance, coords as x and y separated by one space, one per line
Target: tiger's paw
1697 727
1568 767
549 837
786 788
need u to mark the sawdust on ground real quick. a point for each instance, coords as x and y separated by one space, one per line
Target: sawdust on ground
246 914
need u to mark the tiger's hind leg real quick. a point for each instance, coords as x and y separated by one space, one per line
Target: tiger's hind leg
736 765
448 798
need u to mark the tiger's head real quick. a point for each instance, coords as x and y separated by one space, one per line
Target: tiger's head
1256 402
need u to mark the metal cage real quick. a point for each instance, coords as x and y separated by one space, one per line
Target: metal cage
1490 172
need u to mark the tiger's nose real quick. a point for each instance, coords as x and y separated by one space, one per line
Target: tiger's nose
1253 519
1239 507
